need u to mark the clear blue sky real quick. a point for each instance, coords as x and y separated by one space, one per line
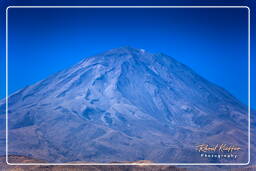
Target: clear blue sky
213 42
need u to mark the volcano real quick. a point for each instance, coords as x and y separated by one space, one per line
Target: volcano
125 105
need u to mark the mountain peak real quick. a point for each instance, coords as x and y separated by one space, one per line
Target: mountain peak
124 104
125 49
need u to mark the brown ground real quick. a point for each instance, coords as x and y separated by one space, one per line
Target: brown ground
22 159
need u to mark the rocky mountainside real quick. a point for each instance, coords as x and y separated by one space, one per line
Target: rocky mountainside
125 104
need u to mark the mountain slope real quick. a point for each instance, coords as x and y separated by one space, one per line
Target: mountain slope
124 105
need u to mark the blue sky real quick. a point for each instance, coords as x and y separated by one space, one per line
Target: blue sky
213 42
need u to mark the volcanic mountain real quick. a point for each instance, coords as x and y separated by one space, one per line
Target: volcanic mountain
125 104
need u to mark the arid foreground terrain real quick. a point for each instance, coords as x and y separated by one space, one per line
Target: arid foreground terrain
22 159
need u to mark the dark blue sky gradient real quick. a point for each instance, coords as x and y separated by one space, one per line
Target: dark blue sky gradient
213 42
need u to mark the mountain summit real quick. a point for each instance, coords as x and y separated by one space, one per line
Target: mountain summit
125 104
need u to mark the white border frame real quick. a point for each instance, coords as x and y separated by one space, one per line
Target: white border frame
155 164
